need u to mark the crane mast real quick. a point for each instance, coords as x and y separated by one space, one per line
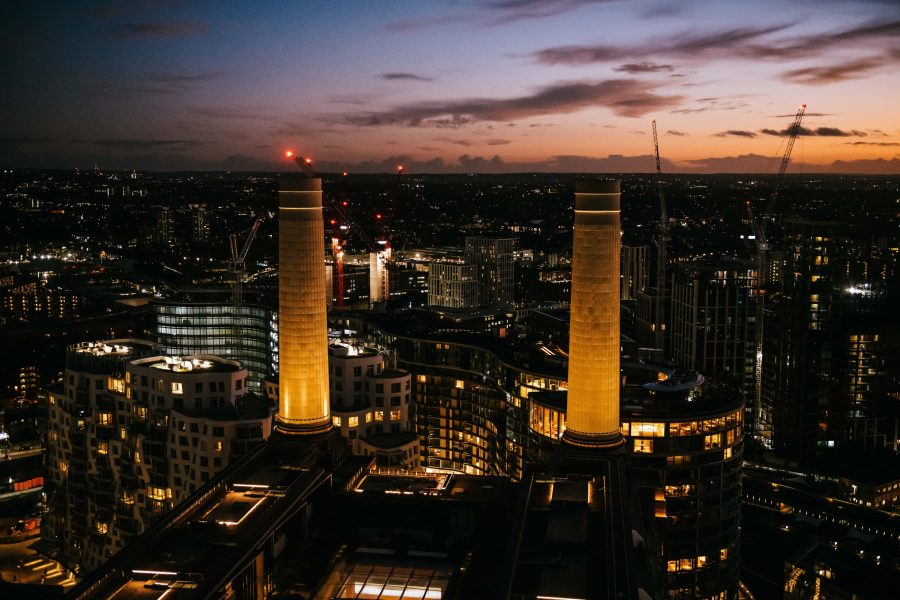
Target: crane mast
661 246
758 226
237 262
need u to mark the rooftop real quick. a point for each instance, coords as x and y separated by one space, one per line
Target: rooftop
200 363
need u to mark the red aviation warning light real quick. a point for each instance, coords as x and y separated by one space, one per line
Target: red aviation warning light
289 154
399 168
378 216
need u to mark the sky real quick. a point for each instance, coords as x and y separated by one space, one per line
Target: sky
451 86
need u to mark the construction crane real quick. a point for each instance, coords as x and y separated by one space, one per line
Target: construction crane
758 227
236 264
662 240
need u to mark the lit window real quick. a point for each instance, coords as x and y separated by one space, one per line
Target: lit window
177 388
460 384
643 446
353 421
336 421
648 429
217 446
723 554
368 417
671 566
102 447
420 378
379 415
123 434
701 562
102 527
395 415
104 418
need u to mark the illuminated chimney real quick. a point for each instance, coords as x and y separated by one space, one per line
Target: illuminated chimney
303 402
592 416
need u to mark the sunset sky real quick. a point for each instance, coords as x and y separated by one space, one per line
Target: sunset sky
453 86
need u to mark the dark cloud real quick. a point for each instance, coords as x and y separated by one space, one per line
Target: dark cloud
805 114
677 133
741 42
819 131
141 145
687 45
707 104
875 166
834 73
23 141
736 132
491 13
625 97
873 143
865 35
405 76
644 67
509 11
161 29
470 142
184 79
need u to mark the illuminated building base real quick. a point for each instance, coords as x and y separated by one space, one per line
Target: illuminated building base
594 441
303 429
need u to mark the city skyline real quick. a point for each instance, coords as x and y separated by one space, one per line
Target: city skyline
490 86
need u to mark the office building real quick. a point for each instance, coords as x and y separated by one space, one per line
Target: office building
206 321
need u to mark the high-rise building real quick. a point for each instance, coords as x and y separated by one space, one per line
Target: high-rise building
303 404
713 320
200 226
379 282
453 285
593 401
823 358
131 434
493 259
206 321
635 270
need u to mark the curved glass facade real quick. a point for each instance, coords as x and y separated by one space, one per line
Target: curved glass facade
244 333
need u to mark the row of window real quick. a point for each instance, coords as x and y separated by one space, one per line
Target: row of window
378 415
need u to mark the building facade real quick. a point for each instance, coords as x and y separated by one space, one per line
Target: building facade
131 434
713 320
206 321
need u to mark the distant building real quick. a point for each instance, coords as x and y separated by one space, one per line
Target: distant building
379 282
131 434
635 270
713 319
494 261
453 285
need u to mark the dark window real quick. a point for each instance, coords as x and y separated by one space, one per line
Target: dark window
395 387
219 431
204 461
357 371
395 400
379 401
379 387
198 387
